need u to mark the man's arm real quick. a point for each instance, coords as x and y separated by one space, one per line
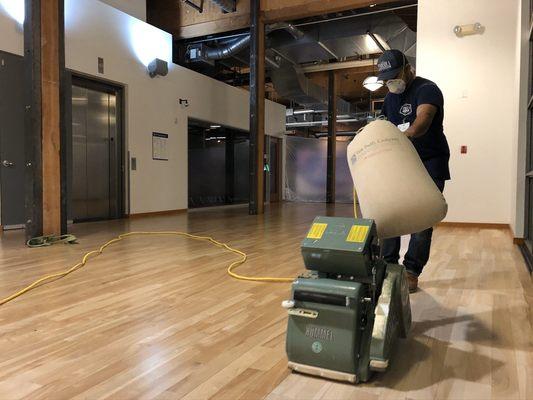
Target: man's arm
424 117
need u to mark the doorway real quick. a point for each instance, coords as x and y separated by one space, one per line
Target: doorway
97 146
218 165
273 169
527 248
12 157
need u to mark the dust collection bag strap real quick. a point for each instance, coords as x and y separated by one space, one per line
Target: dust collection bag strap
41 241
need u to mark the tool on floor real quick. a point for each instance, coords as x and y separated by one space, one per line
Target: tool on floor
347 311
42 241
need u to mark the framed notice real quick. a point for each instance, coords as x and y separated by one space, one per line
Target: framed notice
159 146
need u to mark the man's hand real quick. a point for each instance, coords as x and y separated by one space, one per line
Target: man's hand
424 117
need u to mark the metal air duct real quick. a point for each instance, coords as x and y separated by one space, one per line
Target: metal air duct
292 84
226 5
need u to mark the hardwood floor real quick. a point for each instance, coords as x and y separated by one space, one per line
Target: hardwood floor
159 317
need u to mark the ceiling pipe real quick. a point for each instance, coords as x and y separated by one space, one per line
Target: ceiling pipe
338 65
376 41
328 50
359 117
320 123
271 62
339 133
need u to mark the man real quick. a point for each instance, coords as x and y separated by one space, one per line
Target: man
416 106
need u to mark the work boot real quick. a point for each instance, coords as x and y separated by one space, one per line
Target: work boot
412 282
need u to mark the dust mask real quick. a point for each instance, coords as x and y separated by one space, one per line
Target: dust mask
396 86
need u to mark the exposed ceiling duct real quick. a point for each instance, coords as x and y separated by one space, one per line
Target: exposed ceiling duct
227 50
348 38
315 46
388 31
395 32
201 51
292 84
226 5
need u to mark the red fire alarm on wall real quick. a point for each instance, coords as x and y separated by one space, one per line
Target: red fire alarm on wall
464 149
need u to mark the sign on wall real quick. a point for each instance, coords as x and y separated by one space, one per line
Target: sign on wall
159 146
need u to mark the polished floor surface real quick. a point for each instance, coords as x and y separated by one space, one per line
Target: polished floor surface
158 318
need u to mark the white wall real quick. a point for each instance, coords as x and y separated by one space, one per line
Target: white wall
94 29
477 76
135 8
11 37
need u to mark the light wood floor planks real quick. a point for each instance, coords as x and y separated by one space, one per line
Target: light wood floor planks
158 318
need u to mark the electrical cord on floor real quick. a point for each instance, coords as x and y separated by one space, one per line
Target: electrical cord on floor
100 250
94 253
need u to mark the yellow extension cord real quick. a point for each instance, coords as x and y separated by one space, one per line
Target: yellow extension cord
96 253
99 251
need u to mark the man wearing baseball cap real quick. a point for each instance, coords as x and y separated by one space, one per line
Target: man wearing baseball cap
416 106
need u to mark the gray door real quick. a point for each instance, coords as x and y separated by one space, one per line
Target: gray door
95 155
12 140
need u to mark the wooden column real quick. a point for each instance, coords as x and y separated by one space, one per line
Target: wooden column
257 108
45 123
332 137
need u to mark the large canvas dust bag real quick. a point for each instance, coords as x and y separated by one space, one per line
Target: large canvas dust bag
393 186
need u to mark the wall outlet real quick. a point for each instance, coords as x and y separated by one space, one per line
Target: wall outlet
464 149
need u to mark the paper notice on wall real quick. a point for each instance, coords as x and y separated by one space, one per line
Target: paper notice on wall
159 146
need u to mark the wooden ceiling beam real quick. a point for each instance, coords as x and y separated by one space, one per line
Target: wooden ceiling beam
213 27
288 10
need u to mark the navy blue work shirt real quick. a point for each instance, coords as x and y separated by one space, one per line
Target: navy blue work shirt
432 147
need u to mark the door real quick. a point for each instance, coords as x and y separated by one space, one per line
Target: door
529 172
275 169
12 140
96 152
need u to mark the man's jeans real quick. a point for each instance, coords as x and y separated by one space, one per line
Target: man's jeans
417 254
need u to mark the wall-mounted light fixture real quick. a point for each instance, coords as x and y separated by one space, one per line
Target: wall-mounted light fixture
467 30
157 68
149 43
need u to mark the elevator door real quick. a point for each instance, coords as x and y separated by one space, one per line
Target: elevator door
95 155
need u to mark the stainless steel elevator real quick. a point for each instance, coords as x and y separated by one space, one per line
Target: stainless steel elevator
96 179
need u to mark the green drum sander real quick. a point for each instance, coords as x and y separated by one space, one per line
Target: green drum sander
350 306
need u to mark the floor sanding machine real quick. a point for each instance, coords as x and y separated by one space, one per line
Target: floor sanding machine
350 306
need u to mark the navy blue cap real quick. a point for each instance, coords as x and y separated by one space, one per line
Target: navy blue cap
390 64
